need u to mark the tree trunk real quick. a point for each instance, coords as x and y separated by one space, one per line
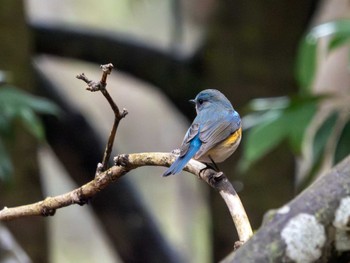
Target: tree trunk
313 226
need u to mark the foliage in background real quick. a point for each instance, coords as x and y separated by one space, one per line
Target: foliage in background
275 120
17 106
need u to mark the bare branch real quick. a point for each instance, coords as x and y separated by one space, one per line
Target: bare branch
101 86
79 196
125 163
217 180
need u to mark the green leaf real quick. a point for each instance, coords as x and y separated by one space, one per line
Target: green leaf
13 100
299 115
264 104
338 41
306 64
322 135
333 28
343 146
6 167
17 104
262 138
319 142
276 125
339 31
264 110
5 125
257 118
32 123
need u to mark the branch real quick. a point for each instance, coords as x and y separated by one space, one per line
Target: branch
216 180
118 115
124 164
308 228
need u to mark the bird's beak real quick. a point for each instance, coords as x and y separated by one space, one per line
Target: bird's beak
192 101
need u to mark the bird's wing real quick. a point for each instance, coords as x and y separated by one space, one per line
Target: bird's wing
188 149
214 131
190 134
182 160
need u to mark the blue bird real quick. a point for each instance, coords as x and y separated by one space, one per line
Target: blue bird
214 134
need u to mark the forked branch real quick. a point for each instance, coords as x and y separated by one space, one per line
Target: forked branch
118 115
123 164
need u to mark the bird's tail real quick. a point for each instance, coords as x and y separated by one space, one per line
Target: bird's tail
181 161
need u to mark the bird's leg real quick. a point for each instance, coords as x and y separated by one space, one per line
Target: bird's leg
215 166
211 165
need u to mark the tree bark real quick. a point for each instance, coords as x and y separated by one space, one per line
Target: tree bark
308 228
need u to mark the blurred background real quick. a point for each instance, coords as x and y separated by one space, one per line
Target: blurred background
282 64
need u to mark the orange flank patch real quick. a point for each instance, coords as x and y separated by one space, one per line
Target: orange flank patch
234 137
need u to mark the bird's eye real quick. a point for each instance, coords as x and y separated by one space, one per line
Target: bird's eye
200 101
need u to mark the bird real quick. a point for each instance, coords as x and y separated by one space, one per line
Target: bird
214 134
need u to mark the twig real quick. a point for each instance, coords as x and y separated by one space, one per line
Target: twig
48 206
216 180
101 86
124 164
219 182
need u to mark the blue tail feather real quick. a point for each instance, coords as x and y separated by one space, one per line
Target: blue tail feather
181 161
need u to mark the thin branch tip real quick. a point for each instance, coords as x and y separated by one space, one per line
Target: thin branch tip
91 85
123 113
81 76
107 68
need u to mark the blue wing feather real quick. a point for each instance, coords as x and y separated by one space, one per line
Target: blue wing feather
182 160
